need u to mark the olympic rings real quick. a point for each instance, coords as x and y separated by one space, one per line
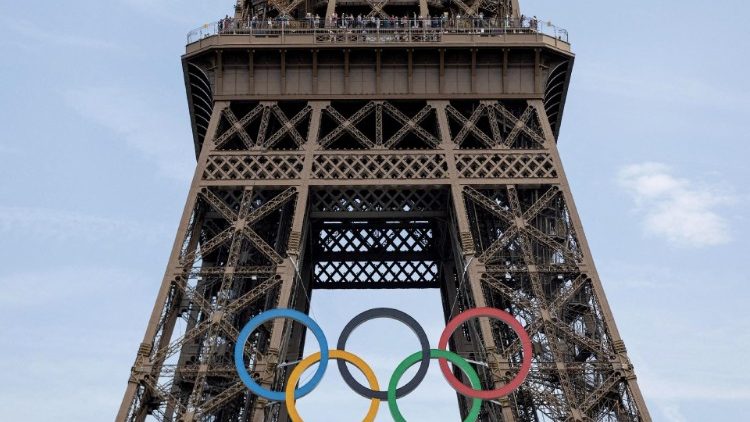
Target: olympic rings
291 393
476 404
255 323
398 316
341 356
520 332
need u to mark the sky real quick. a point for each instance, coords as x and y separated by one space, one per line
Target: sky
97 157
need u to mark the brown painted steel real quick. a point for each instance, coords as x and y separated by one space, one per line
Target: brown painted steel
451 138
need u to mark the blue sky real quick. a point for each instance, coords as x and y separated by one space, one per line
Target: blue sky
97 154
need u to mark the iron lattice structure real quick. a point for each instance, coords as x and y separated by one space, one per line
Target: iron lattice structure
336 159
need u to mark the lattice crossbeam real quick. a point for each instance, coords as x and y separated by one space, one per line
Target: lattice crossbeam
366 166
469 125
348 125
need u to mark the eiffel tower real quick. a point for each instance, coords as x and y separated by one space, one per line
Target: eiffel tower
380 144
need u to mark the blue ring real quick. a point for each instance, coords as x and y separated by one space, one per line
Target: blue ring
255 322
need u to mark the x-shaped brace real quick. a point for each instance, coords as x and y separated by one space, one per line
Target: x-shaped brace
241 223
519 125
517 225
472 10
287 126
410 125
377 8
238 126
469 125
284 8
348 125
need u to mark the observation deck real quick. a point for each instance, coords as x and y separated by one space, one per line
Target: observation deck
373 59
422 32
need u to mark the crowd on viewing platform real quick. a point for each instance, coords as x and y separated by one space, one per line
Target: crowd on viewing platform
379 28
229 24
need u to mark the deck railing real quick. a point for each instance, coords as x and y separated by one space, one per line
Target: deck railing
377 31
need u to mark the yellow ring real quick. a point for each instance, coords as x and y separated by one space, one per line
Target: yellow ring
332 354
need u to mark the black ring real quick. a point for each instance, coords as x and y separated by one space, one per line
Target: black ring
399 316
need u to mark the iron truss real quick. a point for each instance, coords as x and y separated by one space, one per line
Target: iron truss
462 195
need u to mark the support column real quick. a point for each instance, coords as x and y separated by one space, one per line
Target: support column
219 72
283 71
505 72
410 70
378 75
279 342
623 364
331 9
346 71
473 70
423 9
144 366
315 71
537 70
441 84
469 269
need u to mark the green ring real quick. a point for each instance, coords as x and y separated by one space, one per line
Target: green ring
476 404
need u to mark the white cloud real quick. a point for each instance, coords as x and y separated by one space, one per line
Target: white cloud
140 122
681 210
51 224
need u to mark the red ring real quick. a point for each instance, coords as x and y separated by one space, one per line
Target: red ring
525 344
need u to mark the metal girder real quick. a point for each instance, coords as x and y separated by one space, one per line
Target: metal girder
284 8
377 8
208 247
518 221
510 294
471 11
519 125
238 127
541 203
489 254
469 125
596 396
536 265
288 126
565 296
488 204
410 125
348 125
272 205
256 293
241 223
218 400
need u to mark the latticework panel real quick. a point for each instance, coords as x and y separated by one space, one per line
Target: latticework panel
533 268
380 166
574 366
376 239
273 125
378 200
225 276
375 274
491 125
253 167
505 166
511 225
379 125
375 254
388 206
